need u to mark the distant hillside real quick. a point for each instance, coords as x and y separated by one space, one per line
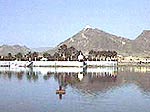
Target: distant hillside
5 49
142 43
41 49
92 38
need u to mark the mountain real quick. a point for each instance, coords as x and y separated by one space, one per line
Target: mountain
142 43
14 49
92 38
41 49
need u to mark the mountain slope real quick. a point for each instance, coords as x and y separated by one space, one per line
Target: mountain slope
142 42
93 38
89 38
41 49
5 49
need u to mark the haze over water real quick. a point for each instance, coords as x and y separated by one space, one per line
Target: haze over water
103 90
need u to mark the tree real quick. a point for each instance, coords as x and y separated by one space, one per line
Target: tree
93 54
29 54
35 55
62 50
10 56
19 55
71 52
46 55
68 54
114 53
64 47
56 55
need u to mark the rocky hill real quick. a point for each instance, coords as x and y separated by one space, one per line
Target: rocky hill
142 43
5 49
41 49
92 38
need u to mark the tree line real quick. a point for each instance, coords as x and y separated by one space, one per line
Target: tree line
63 53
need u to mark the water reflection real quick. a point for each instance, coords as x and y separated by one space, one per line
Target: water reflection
87 82
32 75
92 80
74 89
137 69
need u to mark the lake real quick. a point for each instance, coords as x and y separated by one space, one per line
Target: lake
124 89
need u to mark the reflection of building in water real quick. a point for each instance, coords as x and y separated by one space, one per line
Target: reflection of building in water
142 69
102 81
139 69
66 78
88 80
32 76
80 76
93 80
142 80
9 74
20 73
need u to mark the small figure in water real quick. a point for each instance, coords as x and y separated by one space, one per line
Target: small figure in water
60 92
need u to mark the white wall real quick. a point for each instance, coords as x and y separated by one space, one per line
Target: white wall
57 63
102 63
61 63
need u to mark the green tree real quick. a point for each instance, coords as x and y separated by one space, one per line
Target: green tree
10 56
46 55
19 55
35 55
62 50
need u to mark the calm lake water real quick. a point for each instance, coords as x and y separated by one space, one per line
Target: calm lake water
94 90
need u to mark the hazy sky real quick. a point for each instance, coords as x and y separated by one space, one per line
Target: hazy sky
37 23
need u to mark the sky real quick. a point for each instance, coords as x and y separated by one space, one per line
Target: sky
46 23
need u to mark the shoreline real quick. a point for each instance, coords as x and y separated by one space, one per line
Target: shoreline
75 64
129 64
58 63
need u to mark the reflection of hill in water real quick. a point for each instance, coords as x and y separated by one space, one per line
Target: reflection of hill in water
94 80
142 80
95 83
